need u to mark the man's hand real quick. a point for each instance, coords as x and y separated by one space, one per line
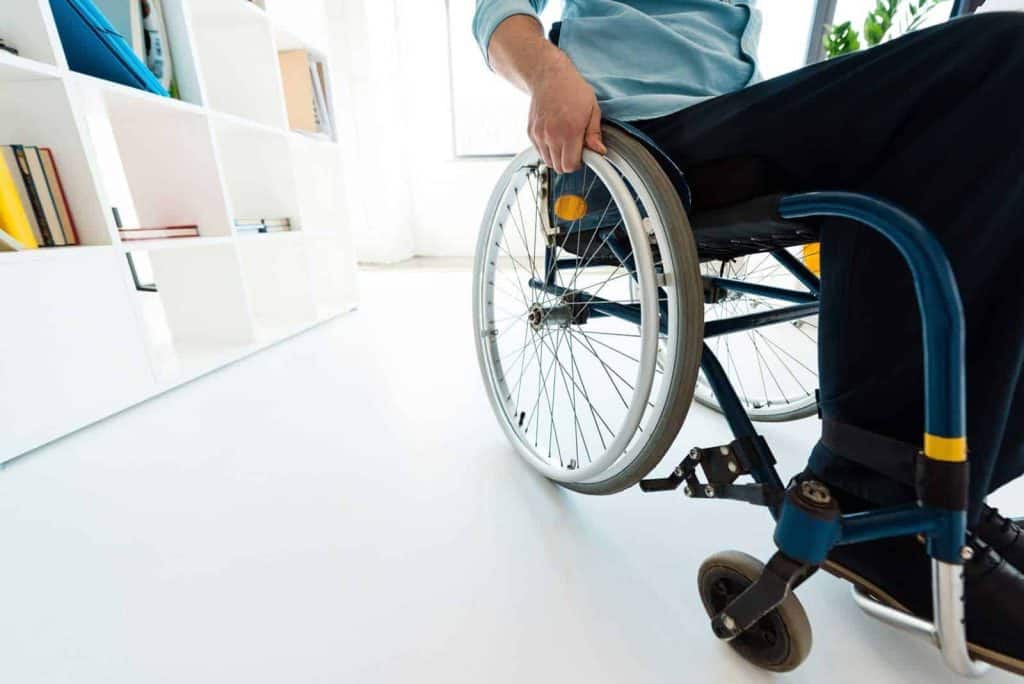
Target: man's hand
564 114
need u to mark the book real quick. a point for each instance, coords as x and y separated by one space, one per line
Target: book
165 233
12 163
94 46
323 114
320 102
9 244
298 91
13 216
35 203
46 200
67 219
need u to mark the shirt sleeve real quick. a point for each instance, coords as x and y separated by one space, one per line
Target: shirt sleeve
490 13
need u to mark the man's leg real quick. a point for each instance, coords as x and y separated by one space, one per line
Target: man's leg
931 121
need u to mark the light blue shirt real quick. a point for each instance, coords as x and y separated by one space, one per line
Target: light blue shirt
648 58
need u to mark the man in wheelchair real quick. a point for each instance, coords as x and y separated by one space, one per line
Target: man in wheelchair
934 123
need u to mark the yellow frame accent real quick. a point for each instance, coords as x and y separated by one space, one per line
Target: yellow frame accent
948 449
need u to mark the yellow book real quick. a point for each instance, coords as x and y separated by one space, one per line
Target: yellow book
13 219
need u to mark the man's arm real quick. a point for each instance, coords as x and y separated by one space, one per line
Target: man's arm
564 114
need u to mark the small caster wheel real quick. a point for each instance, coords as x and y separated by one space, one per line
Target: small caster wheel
781 640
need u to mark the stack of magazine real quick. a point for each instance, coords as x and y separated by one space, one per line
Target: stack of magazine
252 226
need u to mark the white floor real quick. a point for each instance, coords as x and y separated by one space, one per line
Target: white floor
344 508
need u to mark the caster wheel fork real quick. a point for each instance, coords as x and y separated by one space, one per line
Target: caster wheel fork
778 641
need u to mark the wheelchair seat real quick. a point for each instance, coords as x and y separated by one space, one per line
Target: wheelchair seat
748 228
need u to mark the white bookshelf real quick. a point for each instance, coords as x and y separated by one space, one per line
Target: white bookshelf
80 342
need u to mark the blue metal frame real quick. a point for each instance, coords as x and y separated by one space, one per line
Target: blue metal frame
797 534
941 308
726 326
794 296
945 398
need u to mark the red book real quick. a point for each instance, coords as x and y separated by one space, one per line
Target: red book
57 187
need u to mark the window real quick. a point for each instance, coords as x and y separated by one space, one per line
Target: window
784 35
490 116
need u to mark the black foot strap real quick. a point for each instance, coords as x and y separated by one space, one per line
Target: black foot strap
895 459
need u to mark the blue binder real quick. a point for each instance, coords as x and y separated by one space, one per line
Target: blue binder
94 47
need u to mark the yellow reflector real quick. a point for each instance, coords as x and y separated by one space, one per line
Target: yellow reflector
812 258
570 207
948 449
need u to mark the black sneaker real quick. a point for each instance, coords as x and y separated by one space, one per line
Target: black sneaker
897 572
1002 534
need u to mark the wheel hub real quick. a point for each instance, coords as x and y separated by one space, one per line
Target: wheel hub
560 316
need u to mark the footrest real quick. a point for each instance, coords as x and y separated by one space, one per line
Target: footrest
722 466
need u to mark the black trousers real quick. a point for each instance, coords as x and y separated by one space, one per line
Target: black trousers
934 122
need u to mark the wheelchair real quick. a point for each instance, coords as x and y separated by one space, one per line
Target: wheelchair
604 306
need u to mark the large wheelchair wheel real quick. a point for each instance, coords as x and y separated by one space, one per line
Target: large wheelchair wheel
774 369
588 315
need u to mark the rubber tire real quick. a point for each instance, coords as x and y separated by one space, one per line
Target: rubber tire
789 621
689 307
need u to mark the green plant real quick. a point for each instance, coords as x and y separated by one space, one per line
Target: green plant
841 39
889 19
879 20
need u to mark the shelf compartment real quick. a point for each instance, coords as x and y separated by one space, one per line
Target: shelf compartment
257 169
28 26
167 173
200 313
237 61
51 122
277 278
72 353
